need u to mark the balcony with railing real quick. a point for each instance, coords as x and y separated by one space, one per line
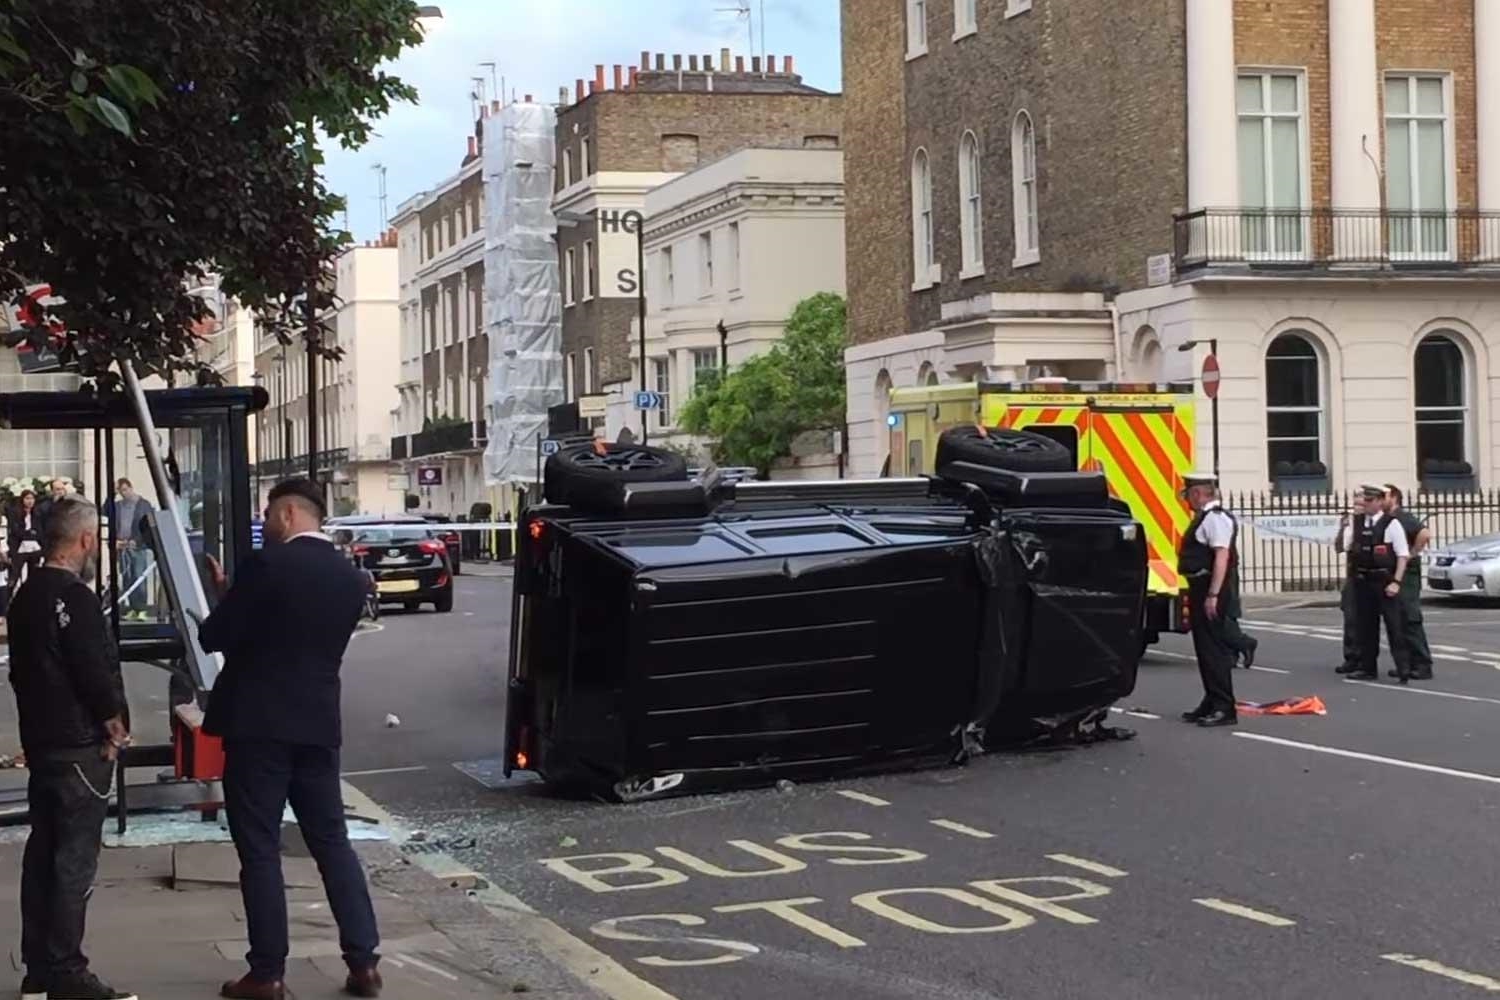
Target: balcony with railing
437 439
1336 240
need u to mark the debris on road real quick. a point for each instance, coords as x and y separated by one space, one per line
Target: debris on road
392 721
1286 706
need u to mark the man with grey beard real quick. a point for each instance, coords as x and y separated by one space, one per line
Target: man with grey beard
71 701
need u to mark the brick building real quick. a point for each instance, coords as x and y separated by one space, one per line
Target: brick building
1097 190
619 138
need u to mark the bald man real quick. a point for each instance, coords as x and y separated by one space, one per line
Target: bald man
283 628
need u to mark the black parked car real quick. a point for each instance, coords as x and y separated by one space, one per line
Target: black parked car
409 561
450 538
672 636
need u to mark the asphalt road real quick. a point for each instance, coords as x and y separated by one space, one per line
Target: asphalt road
1347 855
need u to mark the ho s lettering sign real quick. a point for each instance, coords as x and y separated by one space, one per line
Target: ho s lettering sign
627 281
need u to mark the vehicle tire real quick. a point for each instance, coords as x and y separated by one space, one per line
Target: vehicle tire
444 603
999 448
584 472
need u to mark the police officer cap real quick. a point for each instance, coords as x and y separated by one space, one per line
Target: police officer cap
1199 479
1371 492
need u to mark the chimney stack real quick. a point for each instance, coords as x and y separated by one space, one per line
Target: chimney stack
677 62
599 76
661 62
724 60
619 77
739 64
770 64
693 63
593 86
786 65
645 59
708 62
578 90
473 146
562 96
634 77
755 64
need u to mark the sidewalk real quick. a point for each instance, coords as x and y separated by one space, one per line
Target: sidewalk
477 568
167 923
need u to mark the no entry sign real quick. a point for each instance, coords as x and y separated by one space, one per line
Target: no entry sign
1211 377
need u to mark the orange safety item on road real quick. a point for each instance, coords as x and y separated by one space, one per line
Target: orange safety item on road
1286 706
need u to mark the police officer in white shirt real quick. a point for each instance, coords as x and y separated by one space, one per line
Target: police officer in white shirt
1378 554
1208 560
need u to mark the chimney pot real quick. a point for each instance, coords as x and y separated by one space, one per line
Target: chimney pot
770 64
473 145
528 98
724 60
786 65
593 86
708 62
739 64
599 76
619 76
578 89
634 77
645 59
661 61
562 95
693 63
677 62
755 64
494 105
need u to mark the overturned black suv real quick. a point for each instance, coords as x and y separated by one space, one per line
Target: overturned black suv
673 635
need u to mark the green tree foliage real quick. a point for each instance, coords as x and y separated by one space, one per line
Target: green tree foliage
149 142
760 407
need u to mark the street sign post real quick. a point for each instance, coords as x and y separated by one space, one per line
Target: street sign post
1211 377
645 400
550 447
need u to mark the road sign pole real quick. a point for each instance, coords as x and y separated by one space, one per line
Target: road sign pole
1211 368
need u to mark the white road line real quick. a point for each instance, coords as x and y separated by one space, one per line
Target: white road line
1087 865
967 831
1447 649
869 800
1271 670
429 967
1134 713
1451 658
1446 971
1236 910
1373 758
1427 691
384 770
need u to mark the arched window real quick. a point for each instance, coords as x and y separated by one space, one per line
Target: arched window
927 374
1294 408
1023 171
882 421
921 219
1442 407
972 237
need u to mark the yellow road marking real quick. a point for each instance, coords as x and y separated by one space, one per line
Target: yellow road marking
869 800
1446 971
1087 865
1236 910
967 831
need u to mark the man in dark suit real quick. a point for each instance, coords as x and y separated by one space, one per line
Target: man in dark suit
283 628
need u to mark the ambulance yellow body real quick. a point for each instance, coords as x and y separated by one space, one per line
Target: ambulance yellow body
1140 435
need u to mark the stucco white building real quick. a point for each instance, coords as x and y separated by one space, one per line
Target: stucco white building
731 248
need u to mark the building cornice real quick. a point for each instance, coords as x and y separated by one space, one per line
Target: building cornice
747 197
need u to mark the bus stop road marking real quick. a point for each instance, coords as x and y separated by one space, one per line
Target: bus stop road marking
1236 910
967 831
869 800
1485 983
1096 867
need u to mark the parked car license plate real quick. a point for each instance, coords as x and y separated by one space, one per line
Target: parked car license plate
396 586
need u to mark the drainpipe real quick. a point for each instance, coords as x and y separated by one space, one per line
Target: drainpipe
1114 323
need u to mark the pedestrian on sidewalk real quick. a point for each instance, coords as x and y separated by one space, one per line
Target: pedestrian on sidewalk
23 531
1418 537
128 528
283 628
73 717
1208 559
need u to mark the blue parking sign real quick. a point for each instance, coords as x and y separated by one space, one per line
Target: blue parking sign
648 400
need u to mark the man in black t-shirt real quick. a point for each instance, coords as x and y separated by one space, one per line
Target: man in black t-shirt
1418 537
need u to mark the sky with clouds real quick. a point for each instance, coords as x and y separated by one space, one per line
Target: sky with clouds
538 46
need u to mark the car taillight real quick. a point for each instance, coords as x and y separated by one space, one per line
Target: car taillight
432 548
535 529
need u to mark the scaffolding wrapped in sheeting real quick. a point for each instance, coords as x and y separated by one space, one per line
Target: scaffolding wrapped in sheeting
522 307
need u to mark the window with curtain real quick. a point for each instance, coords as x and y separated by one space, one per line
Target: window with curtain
1442 406
1023 169
1417 165
662 383
921 215
570 268
1294 407
969 174
1271 133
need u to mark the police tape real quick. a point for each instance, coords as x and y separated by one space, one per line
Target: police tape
438 526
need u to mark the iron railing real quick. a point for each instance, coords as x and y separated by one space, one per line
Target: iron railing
450 437
1320 239
328 460
1286 543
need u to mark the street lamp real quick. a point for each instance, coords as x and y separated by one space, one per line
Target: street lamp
1213 401
631 221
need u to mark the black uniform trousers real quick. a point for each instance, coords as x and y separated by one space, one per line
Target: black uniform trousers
1372 607
1349 605
1212 647
260 779
67 795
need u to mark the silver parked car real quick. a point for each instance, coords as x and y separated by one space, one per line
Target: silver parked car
1471 566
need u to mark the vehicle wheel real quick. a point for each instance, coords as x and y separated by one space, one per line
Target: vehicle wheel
998 448
444 603
589 470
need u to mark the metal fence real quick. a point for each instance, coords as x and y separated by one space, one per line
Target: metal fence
1286 540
